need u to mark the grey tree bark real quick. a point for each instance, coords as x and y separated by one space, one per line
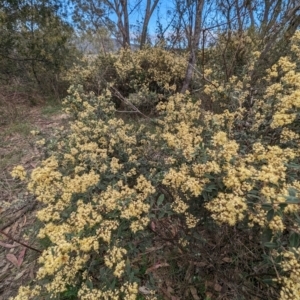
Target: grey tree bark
194 44
150 7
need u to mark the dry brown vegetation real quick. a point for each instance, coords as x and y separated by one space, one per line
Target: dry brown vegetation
17 207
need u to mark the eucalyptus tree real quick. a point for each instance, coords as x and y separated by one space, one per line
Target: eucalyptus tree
194 28
117 16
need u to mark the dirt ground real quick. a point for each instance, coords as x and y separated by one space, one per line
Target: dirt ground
18 224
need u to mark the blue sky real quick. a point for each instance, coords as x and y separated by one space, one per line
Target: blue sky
137 15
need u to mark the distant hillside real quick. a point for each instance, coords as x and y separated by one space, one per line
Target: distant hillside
105 45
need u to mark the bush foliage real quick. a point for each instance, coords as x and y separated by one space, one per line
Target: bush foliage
35 50
115 190
145 76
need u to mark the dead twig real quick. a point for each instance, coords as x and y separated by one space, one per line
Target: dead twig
126 101
19 242
27 209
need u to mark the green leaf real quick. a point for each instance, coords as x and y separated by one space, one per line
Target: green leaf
113 284
131 276
199 237
151 202
292 192
210 187
89 284
253 196
170 213
283 205
168 207
278 259
293 165
268 281
292 200
294 240
267 235
270 214
127 267
161 214
267 206
70 293
270 245
160 199
297 217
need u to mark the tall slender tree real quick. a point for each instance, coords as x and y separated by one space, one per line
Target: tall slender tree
150 7
194 29
116 16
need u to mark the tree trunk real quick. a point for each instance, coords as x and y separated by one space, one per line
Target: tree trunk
126 35
195 39
148 13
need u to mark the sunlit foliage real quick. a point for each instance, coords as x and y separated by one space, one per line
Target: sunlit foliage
109 179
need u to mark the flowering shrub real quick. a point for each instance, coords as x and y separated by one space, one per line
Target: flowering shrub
150 68
145 76
268 135
94 73
110 184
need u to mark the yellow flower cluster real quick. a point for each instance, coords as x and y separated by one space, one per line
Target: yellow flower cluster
18 172
105 230
179 206
179 131
276 224
56 261
260 217
41 142
162 66
290 284
85 215
227 208
85 293
181 180
138 207
288 135
115 166
46 181
190 220
114 260
220 139
128 291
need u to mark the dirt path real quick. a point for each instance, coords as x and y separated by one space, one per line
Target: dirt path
17 207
